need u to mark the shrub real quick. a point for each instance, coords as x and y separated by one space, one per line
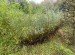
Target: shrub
16 25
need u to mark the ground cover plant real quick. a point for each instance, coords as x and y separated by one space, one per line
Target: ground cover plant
24 24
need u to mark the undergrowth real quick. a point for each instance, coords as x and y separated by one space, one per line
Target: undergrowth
19 23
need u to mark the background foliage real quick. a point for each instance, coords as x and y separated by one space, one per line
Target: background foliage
22 20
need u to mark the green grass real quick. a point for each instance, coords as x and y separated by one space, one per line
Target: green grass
53 47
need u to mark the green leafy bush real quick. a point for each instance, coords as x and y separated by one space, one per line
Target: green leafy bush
16 25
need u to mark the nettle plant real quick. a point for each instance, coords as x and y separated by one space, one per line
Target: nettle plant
16 25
